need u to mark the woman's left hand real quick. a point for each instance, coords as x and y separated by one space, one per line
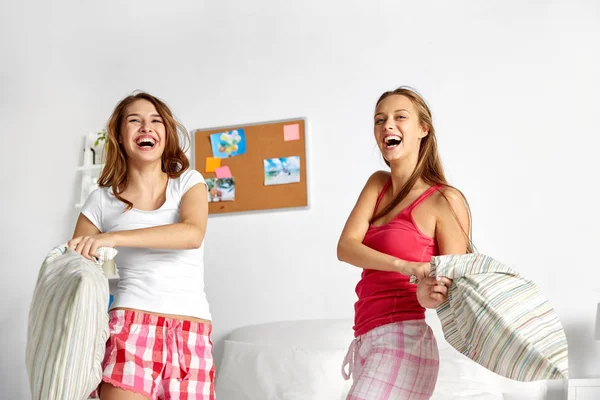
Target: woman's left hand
432 292
88 245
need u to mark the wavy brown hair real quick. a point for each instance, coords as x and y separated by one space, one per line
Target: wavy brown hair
173 161
429 166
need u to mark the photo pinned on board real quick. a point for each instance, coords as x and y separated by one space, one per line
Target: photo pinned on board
280 171
222 189
228 144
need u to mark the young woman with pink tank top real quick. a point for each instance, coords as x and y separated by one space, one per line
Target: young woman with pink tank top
401 219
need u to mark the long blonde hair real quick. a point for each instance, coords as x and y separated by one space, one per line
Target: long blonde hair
173 161
429 166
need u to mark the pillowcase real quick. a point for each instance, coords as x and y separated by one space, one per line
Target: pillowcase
68 326
500 320
262 372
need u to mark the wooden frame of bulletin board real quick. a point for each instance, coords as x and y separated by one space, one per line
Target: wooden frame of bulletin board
282 186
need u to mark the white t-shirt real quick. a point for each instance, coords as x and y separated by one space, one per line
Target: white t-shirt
156 280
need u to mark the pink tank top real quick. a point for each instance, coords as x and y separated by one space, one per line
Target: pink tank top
388 297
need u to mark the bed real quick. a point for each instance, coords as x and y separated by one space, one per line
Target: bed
301 360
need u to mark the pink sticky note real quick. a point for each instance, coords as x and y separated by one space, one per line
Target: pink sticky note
223 172
291 132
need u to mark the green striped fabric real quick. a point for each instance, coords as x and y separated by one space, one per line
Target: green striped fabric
499 319
68 326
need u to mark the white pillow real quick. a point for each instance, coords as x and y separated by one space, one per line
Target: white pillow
461 391
462 378
262 372
68 326
310 333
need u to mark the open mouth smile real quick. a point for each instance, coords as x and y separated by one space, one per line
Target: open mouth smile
391 141
145 142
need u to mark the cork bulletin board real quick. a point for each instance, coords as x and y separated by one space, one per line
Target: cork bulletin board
253 167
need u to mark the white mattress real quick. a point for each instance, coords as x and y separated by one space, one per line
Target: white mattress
301 360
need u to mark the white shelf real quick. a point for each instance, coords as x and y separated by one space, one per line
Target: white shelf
90 167
88 170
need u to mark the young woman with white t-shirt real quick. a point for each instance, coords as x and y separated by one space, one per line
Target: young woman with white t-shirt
154 209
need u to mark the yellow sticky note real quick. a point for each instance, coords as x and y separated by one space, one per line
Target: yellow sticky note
212 163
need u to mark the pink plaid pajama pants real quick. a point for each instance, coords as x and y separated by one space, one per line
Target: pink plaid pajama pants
397 361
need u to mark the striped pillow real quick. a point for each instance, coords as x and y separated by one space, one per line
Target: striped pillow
68 326
499 319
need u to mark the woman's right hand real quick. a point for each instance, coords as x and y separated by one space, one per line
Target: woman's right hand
419 269
88 246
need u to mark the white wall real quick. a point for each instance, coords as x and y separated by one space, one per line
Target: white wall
513 87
